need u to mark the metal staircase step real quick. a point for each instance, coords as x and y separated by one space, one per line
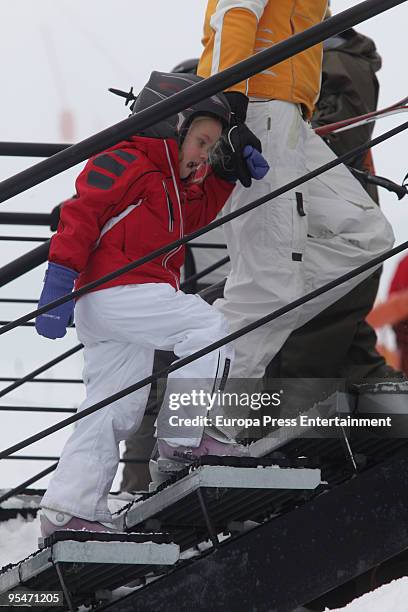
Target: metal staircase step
206 501
82 568
296 557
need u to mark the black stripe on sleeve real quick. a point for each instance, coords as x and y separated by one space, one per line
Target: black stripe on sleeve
128 157
109 163
98 180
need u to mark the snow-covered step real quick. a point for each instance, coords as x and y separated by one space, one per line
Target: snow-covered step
338 415
205 502
82 568
303 424
383 398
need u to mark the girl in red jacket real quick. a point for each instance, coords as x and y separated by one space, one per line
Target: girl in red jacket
131 199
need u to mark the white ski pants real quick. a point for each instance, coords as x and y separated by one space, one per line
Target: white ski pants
280 252
120 328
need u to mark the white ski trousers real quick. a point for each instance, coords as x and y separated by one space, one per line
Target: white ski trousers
120 328
281 250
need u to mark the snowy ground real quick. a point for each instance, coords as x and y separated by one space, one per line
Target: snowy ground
18 539
391 597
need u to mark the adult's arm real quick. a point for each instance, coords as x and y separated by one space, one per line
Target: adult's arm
230 35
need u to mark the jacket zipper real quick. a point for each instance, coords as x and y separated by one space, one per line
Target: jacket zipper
169 207
167 257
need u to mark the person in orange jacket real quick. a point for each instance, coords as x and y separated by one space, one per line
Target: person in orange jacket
308 236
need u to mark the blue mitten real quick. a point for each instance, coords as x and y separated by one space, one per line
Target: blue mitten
256 163
58 281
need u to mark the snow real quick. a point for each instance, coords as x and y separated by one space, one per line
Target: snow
20 501
19 539
392 596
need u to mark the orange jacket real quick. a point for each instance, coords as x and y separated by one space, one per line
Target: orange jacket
237 29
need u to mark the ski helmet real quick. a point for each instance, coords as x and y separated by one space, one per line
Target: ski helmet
188 66
162 85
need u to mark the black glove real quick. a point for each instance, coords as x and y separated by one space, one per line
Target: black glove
238 103
228 160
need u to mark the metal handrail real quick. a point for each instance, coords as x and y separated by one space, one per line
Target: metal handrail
52 458
208 270
28 377
24 485
207 245
22 239
64 381
25 263
36 409
24 218
17 301
4 323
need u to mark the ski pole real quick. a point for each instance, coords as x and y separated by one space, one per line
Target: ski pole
352 122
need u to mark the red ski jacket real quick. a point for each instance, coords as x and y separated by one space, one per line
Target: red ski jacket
130 200
398 284
400 279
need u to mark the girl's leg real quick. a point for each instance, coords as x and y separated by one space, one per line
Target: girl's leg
120 327
156 315
89 461
196 325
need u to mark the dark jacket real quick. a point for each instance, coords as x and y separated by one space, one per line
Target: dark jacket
349 88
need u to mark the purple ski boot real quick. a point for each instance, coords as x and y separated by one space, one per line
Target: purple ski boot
170 459
208 446
52 520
